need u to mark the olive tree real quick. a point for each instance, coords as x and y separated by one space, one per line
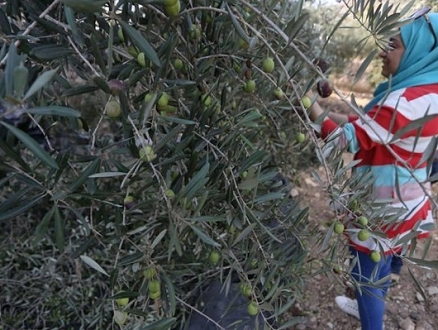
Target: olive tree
148 150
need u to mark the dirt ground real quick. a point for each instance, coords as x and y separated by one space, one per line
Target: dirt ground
406 309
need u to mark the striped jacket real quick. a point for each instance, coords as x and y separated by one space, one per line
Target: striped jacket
394 161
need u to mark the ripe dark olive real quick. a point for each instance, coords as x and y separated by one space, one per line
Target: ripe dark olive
324 89
321 64
116 86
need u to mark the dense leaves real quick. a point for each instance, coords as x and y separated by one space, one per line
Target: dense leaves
197 161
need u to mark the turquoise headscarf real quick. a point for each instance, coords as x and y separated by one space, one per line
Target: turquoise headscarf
419 63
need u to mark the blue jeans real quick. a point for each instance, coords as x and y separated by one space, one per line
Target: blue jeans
371 297
396 264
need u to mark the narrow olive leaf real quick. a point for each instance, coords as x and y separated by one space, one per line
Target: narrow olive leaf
14 199
42 227
249 118
179 82
364 66
236 24
249 183
196 182
170 293
285 307
273 288
268 197
3 51
51 52
131 258
59 230
30 182
394 18
209 218
204 237
426 247
336 28
292 323
256 157
295 26
177 120
390 30
102 83
244 233
169 137
71 21
93 264
55 110
164 324
326 241
85 6
417 284
430 151
78 90
114 277
21 208
84 176
32 145
97 52
137 312
106 175
158 239
5 26
139 41
110 48
90 242
407 7
39 83
12 62
174 244
412 126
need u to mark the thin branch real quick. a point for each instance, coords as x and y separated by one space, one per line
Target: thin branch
32 26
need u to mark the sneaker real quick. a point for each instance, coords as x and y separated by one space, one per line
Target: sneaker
348 306
395 278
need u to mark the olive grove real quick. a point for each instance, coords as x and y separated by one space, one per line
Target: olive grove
148 150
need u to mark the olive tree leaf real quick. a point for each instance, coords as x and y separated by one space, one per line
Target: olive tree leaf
51 52
42 227
204 237
21 207
39 83
93 264
364 66
55 110
59 230
163 324
8 76
32 145
85 6
144 46
236 25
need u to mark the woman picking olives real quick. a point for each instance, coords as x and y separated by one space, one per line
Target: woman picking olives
399 170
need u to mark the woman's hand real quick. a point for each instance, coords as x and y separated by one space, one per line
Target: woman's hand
315 111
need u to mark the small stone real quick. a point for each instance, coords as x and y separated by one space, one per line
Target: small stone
310 182
419 297
432 290
407 324
423 325
414 316
294 192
